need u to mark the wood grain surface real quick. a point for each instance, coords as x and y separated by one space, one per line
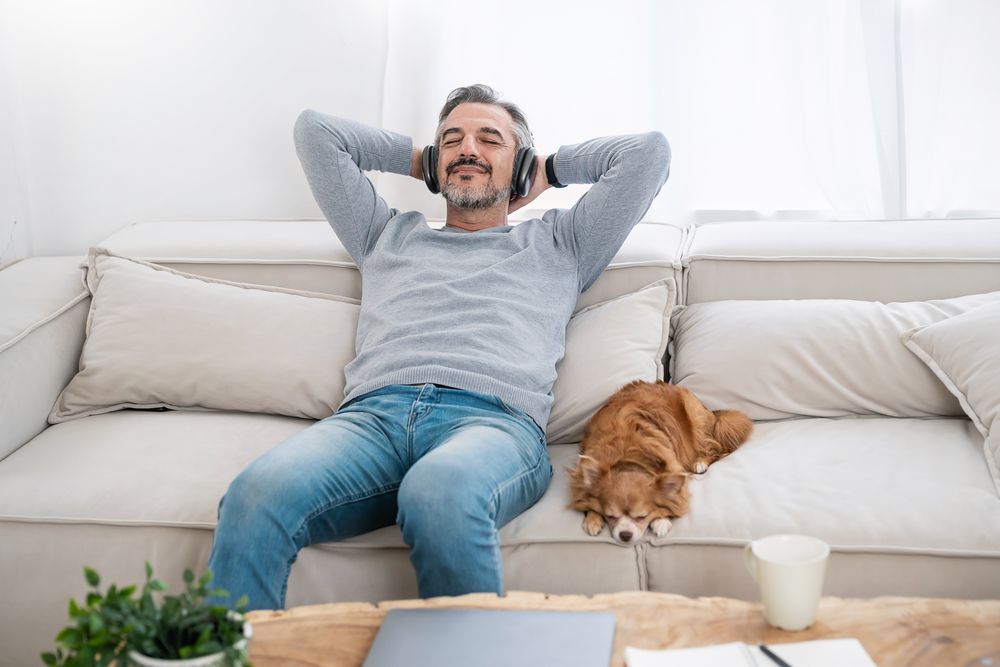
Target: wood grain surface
910 632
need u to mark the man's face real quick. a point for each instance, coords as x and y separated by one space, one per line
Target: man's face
476 156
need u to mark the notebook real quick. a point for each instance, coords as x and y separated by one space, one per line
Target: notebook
493 638
815 653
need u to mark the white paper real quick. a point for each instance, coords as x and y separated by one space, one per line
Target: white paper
816 653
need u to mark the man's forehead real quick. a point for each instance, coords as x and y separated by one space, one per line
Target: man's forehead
474 117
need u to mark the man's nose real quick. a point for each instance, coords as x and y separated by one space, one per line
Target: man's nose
468 146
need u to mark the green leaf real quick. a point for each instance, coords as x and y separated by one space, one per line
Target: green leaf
93 599
157 585
149 570
188 576
70 638
96 624
92 577
49 658
74 609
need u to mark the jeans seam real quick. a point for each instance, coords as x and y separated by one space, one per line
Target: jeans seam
495 496
325 508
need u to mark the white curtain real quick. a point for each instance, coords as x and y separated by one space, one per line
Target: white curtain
775 109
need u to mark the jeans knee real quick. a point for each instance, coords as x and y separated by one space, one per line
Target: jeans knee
440 501
249 492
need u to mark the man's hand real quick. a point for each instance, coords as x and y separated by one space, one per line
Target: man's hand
539 184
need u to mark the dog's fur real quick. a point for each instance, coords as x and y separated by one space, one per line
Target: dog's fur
638 451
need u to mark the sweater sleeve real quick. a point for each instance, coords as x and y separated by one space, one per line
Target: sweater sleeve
628 172
333 152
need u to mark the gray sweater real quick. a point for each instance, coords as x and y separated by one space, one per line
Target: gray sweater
484 311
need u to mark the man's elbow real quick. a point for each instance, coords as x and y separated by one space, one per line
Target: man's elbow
655 142
305 126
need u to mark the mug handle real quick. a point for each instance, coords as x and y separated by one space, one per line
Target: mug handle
750 560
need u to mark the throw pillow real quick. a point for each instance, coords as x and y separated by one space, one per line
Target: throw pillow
156 337
608 345
964 353
812 357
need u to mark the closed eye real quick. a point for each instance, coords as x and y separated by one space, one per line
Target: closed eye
640 517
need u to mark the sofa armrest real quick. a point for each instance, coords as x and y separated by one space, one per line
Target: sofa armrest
43 314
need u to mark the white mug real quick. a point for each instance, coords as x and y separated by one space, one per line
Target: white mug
789 570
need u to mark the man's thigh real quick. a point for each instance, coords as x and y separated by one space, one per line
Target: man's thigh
336 479
494 463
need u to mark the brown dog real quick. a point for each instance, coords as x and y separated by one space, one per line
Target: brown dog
638 451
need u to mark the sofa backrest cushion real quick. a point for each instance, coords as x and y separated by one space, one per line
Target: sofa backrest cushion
307 255
814 357
904 260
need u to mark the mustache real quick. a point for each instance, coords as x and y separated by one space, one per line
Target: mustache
468 161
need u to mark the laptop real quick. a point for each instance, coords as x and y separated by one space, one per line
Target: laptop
493 638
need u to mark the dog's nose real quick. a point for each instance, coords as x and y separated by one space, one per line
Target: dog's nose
626 536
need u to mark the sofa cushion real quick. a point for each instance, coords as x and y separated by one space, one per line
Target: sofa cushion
307 255
813 357
888 260
964 352
44 307
907 506
161 338
113 490
607 346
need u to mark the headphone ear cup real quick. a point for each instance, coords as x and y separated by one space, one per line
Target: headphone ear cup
429 160
524 171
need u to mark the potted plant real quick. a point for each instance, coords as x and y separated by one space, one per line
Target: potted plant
117 628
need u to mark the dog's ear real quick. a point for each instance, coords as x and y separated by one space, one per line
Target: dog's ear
669 484
731 429
589 471
670 492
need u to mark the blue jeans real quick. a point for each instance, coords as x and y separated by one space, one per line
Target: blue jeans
449 466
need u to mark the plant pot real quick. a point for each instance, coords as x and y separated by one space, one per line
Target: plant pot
214 660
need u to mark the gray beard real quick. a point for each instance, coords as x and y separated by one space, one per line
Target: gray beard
487 196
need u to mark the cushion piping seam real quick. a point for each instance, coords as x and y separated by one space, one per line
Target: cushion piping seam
40 323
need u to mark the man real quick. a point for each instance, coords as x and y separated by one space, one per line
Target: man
442 426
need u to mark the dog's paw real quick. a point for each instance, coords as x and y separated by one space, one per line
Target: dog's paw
661 526
593 523
700 467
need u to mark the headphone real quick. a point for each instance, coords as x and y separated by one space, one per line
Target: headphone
520 184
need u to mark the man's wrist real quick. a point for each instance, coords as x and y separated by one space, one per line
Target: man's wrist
550 172
416 164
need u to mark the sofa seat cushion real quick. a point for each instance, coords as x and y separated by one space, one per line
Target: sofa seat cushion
136 467
907 506
167 470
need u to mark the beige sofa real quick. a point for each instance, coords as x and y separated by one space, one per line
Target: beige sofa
778 318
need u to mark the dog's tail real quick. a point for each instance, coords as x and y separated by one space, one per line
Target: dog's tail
732 428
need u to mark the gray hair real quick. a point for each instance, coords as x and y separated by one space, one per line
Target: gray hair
483 94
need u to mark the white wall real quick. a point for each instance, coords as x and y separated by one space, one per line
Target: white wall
130 110
15 239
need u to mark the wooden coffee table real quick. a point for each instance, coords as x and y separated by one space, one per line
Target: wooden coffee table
911 632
